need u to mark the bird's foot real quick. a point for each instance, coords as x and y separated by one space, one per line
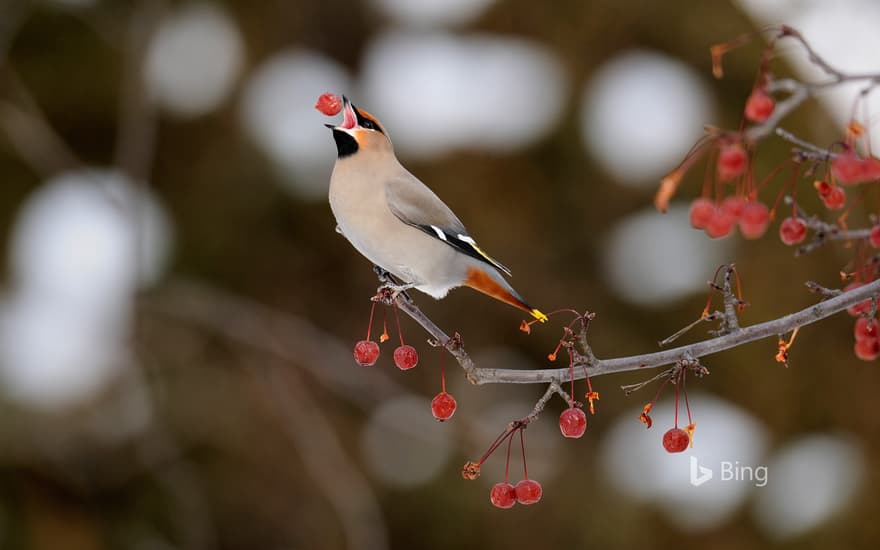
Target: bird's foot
387 293
391 287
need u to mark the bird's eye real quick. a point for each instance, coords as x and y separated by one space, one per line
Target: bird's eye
368 124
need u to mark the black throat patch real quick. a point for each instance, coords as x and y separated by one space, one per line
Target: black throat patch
345 144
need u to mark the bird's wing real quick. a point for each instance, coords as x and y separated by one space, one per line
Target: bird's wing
416 205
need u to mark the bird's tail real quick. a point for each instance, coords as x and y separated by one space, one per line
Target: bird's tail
492 284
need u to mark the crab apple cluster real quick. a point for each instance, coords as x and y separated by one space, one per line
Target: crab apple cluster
366 352
573 420
719 220
866 329
676 439
833 196
505 495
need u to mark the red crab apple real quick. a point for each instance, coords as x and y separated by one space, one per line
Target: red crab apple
528 491
759 106
406 357
792 230
754 219
731 161
675 440
573 422
701 213
366 352
443 406
329 104
503 495
867 349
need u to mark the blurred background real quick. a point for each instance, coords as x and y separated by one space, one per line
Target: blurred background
177 312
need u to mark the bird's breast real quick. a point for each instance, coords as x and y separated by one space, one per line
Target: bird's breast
405 251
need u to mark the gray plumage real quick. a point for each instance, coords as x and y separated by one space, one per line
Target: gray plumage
399 224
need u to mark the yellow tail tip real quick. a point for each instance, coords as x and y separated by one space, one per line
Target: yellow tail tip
536 313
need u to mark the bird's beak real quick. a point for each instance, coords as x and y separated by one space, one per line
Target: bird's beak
349 116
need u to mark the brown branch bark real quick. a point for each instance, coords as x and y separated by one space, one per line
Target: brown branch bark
598 367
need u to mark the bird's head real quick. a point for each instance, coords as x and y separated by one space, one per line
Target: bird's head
359 131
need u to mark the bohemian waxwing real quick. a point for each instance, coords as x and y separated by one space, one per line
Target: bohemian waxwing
399 224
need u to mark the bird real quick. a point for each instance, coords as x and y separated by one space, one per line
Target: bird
399 224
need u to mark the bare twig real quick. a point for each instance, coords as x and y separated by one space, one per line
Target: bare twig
714 316
820 153
837 75
801 91
552 388
729 321
824 291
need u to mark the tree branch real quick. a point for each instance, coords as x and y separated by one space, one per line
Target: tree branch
597 367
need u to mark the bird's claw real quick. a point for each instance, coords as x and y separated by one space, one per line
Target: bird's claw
391 287
388 293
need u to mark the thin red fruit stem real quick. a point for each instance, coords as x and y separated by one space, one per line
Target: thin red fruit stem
507 465
571 377
400 332
370 325
719 191
660 389
495 444
556 350
706 191
749 186
676 404
687 405
562 310
739 294
782 191
522 444
769 177
587 377
442 371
